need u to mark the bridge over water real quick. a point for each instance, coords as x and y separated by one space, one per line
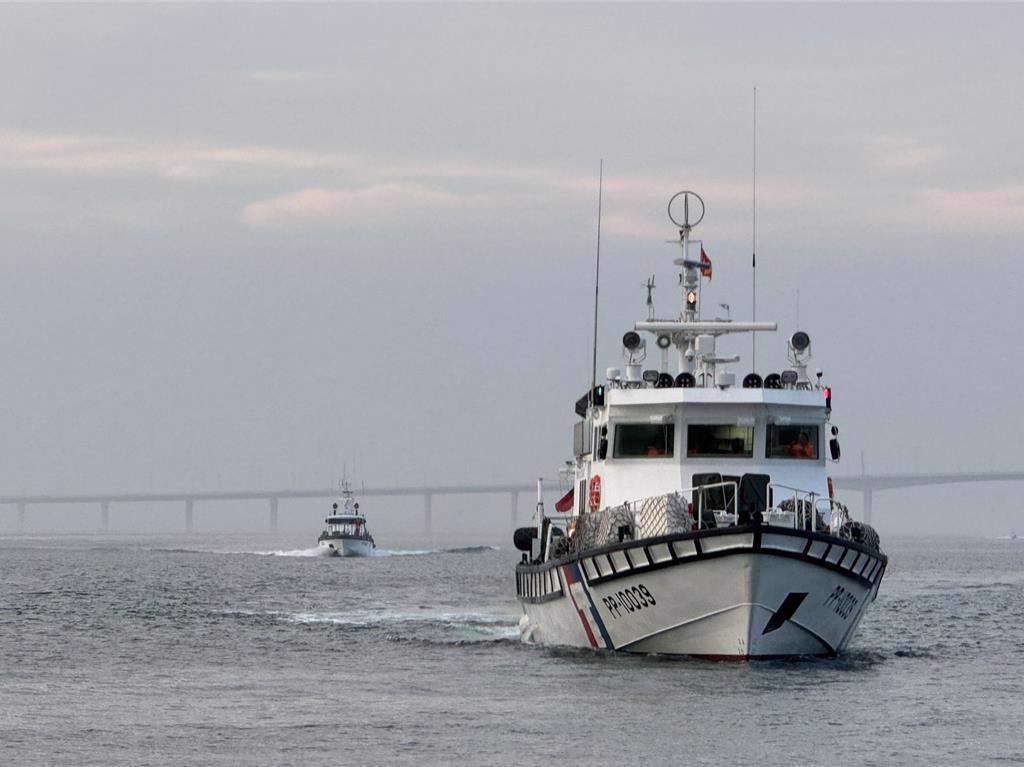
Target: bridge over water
867 484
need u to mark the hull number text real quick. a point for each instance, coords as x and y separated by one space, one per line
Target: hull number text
842 602
629 600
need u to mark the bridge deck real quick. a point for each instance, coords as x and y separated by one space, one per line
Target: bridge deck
871 482
868 484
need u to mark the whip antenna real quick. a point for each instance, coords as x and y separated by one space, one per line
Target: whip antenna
597 281
753 248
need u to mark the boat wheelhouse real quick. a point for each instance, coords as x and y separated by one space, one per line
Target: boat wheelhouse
346 533
702 520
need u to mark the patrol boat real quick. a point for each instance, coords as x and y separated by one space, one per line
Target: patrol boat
702 520
347 534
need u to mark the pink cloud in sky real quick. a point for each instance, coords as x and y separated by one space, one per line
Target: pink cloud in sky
1000 207
319 204
96 155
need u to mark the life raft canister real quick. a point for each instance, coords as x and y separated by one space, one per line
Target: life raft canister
595 492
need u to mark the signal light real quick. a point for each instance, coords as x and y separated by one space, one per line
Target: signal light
632 340
828 397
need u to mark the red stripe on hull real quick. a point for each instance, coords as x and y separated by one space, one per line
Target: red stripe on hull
569 581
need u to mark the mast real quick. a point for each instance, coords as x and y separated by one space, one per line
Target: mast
689 277
694 338
597 281
753 247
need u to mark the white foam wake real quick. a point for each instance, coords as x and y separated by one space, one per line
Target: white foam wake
402 552
316 551
421 552
319 551
459 625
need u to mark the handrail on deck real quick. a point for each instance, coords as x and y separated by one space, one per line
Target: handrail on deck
655 515
679 511
838 514
804 502
703 492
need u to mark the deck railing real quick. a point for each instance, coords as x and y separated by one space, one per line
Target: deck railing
695 508
657 515
791 507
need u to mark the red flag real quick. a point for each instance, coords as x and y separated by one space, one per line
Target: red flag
565 502
705 264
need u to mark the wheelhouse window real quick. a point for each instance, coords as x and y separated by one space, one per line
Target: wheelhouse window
796 441
644 440
719 440
344 525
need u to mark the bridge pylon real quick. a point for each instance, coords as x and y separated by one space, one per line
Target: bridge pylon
273 514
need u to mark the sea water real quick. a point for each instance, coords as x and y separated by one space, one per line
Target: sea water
189 650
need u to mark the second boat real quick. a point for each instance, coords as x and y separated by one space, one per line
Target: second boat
346 533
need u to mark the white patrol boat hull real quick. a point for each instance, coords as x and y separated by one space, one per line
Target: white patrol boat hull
732 593
348 547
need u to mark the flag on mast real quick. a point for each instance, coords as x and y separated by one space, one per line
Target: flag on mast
705 263
564 503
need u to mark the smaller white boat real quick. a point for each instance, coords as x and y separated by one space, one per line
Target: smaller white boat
347 534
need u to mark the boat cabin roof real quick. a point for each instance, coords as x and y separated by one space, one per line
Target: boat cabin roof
733 395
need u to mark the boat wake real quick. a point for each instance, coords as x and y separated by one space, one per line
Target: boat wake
470 550
428 626
402 552
423 552
318 551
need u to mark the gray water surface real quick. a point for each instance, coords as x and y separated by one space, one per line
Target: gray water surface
236 651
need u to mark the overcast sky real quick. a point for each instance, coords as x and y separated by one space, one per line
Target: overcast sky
243 246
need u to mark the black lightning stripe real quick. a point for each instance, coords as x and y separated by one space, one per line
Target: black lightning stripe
786 610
